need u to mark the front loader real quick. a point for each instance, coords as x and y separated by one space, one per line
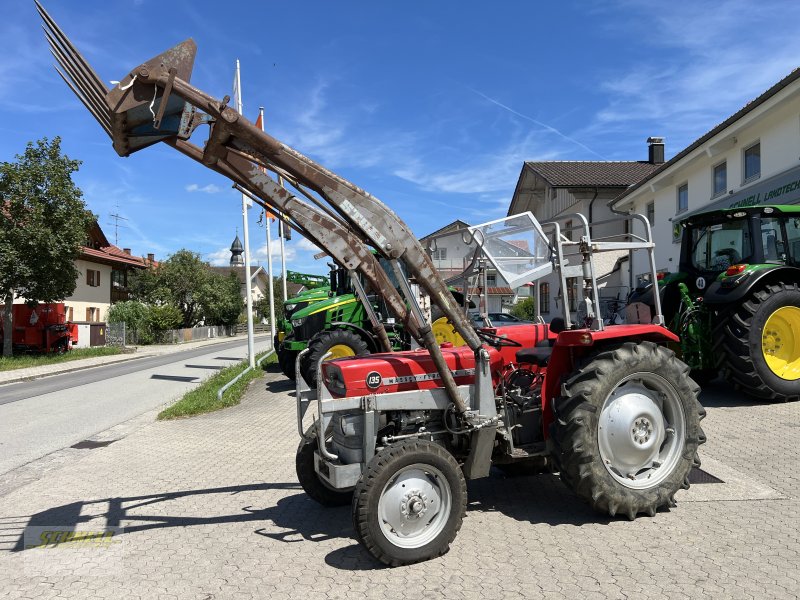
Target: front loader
397 434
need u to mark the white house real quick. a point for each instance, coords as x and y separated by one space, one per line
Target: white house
751 158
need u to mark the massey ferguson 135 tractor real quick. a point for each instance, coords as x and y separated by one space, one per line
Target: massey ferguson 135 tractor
397 434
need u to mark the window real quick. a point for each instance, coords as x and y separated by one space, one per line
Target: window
568 230
683 198
772 240
491 279
717 247
572 293
720 183
92 278
92 314
651 213
752 162
793 237
544 297
439 254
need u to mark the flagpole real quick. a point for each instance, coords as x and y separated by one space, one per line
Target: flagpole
245 202
282 234
269 257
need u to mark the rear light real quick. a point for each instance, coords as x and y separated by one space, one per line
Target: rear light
735 270
585 339
334 380
660 276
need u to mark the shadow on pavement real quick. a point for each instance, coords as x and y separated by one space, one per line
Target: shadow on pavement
280 386
721 394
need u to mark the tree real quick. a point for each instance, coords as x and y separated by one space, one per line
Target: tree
525 309
43 223
220 299
185 282
261 308
175 281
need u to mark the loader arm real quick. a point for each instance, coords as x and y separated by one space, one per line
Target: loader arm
155 103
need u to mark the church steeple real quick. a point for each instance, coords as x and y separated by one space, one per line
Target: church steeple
236 252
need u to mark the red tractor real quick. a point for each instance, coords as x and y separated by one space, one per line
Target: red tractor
609 407
39 328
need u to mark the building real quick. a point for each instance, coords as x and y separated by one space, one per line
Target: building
103 277
751 158
556 190
451 255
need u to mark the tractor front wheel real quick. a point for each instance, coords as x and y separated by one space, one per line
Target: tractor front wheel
762 343
316 489
339 342
409 503
628 428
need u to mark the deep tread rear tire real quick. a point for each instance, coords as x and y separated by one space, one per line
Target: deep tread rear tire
741 341
324 341
316 489
576 429
375 480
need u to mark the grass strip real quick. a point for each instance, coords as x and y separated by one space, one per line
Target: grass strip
23 361
203 398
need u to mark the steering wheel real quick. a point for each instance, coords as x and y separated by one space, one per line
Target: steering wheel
498 340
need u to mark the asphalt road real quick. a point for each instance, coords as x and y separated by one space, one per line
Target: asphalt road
41 416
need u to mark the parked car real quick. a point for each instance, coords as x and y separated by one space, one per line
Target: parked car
498 318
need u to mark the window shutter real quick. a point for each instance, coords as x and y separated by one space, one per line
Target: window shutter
88 314
97 278
88 277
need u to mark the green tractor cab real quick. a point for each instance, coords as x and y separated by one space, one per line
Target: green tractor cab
736 301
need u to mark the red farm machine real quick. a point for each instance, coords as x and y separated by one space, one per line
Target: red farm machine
397 434
40 328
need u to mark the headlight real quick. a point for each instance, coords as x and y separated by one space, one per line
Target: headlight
290 306
298 322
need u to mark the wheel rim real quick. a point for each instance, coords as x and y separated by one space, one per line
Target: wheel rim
444 331
641 430
340 351
414 506
780 343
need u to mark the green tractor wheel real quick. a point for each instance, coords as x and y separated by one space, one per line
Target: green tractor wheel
762 343
339 342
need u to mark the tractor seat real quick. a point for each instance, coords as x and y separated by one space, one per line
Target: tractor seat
540 354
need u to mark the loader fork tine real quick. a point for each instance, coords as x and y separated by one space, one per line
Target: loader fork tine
77 73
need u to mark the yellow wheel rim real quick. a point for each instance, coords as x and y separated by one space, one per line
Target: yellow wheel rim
444 331
340 351
780 342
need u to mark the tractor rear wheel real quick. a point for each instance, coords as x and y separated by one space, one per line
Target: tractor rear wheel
339 342
762 343
628 428
316 489
409 503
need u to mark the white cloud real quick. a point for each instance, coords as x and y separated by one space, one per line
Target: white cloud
206 189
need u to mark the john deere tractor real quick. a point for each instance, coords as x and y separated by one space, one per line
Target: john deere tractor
736 301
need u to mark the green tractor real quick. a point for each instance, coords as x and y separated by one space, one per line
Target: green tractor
337 324
317 288
736 301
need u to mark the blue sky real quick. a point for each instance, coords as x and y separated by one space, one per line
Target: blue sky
430 106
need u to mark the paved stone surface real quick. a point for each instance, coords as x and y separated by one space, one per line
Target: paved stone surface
211 509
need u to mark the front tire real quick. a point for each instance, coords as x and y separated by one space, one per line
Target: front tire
628 428
316 489
409 503
762 343
340 342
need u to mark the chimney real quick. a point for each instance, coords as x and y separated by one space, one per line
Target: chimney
126 250
655 150
151 258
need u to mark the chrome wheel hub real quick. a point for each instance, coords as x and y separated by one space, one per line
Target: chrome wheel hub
641 430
